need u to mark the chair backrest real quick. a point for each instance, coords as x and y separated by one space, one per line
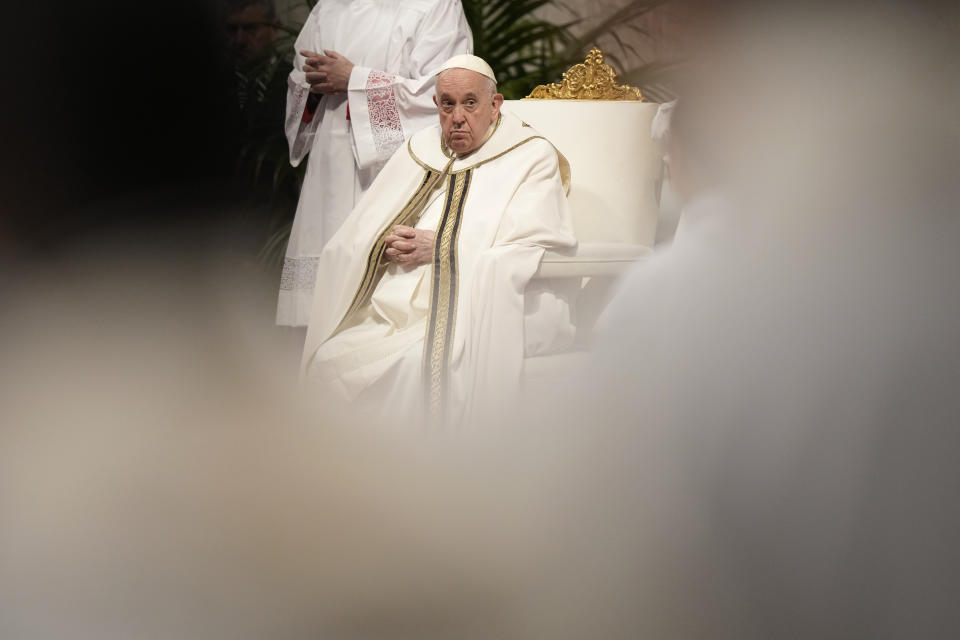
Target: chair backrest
615 166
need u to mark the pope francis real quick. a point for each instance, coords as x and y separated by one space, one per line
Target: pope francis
424 304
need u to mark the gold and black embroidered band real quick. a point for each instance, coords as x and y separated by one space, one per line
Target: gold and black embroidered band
443 293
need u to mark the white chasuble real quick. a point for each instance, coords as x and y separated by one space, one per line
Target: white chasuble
448 338
395 47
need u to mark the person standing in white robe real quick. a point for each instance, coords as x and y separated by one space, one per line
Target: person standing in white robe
422 304
362 83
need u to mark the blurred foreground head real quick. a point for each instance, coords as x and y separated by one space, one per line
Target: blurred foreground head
784 384
160 477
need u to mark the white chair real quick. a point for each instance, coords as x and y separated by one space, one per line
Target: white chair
603 129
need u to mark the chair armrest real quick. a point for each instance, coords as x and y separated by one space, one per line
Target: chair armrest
591 260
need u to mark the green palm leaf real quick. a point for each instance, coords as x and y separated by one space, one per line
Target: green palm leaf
521 48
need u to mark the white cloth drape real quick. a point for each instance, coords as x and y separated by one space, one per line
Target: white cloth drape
395 47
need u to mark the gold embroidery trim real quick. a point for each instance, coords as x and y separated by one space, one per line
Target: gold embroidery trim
444 289
478 164
562 159
593 79
375 268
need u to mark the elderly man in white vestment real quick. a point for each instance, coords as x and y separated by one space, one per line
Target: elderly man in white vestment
362 84
422 299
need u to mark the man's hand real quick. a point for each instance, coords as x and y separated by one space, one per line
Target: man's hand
409 247
327 72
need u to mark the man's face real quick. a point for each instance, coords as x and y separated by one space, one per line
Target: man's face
249 32
467 108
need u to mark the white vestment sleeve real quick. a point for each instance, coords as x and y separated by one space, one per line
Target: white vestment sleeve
343 260
299 133
537 218
387 108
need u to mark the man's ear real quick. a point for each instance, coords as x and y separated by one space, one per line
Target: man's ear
435 100
497 103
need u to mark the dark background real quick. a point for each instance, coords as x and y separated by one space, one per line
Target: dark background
115 121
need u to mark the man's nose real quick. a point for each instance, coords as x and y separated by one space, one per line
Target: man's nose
458 115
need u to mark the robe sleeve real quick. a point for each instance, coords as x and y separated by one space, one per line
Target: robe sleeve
536 219
386 108
299 133
343 260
